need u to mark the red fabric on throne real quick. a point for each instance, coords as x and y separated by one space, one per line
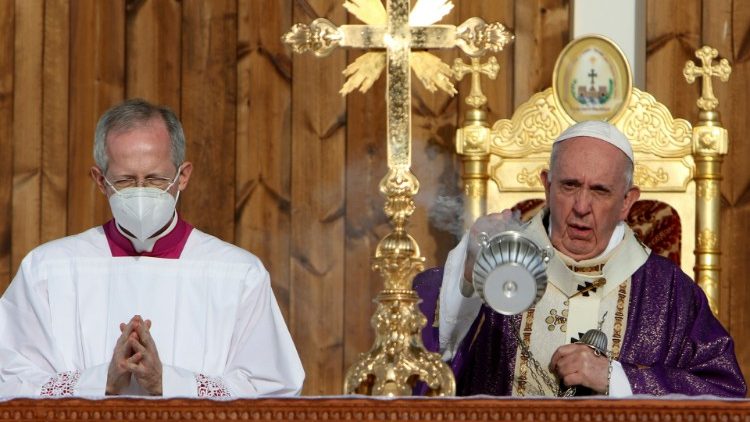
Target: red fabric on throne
654 223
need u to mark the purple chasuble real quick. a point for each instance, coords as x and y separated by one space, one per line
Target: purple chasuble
672 343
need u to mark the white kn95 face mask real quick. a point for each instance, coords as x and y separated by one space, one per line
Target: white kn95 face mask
143 211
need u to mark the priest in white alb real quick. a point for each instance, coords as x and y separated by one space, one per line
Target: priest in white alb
145 304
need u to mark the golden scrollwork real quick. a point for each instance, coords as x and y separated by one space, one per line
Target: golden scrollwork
708 240
644 177
531 129
475 189
530 178
473 140
321 37
710 286
710 139
707 191
651 128
397 255
399 187
707 142
647 123
475 37
396 362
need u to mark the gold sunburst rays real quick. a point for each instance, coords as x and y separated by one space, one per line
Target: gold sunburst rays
429 69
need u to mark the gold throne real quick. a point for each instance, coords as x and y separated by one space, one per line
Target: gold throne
677 165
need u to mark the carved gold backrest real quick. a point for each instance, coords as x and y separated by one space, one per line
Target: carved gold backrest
520 148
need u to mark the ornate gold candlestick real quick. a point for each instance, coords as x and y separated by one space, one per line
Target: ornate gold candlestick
398 358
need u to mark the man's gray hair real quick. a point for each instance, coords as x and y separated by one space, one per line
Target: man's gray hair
628 167
131 114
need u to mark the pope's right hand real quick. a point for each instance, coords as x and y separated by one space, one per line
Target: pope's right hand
489 225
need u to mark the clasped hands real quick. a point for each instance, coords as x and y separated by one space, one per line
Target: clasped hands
135 355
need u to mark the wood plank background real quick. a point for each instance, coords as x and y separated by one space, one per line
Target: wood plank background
284 166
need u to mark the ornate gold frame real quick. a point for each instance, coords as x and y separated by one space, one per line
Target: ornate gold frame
676 163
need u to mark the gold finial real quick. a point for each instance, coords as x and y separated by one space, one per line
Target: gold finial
706 54
321 37
476 37
476 98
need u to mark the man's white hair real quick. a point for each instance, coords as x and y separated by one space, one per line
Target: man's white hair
133 113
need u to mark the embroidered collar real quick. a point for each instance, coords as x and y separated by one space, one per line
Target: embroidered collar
566 273
591 269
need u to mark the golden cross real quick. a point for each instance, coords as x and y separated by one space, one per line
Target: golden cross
398 357
707 101
397 37
476 97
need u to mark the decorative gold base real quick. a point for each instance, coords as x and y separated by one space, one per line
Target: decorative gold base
398 358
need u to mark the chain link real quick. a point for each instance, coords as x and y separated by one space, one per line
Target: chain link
536 368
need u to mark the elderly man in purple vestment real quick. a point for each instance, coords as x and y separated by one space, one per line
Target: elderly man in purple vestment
662 336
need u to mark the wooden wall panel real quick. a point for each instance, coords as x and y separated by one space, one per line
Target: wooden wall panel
264 140
317 243
96 84
27 128
55 74
366 223
209 99
284 166
7 10
153 32
542 30
672 36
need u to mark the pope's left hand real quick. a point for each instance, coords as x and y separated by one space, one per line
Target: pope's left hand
148 370
577 364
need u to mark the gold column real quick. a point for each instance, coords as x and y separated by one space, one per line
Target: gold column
710 144
472 145
473 139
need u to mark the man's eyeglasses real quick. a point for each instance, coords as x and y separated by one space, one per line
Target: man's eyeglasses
162 183
149 182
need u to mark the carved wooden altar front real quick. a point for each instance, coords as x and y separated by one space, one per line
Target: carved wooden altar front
357 409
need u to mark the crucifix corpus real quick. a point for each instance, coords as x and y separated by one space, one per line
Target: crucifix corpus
398 358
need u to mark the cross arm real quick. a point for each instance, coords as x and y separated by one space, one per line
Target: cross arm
474 37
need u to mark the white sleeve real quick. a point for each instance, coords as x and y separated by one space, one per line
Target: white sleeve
30 362
619 385
457 312
27 355
262 359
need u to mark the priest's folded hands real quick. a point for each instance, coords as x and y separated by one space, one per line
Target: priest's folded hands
135 356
